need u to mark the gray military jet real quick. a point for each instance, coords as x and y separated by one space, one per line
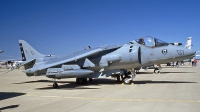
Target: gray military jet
101 61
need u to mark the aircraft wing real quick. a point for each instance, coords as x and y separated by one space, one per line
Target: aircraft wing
72 58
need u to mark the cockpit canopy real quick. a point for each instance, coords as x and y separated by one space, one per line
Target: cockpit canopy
151 42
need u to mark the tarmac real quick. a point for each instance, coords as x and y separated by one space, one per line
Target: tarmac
173 90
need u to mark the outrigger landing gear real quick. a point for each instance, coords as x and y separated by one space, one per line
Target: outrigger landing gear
55 85
129 79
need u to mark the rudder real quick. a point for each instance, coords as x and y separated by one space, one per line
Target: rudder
28 52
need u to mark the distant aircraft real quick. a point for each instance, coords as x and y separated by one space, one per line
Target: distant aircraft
189 43
10 63
101 61
197 53
189 46
1 51
197 56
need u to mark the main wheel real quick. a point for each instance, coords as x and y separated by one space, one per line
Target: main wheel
84 80
81 80
156 70
90 79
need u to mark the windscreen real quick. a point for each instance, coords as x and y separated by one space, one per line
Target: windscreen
151 42
159 43
147 41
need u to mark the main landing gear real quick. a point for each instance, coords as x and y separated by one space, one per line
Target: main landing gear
156 70
81 80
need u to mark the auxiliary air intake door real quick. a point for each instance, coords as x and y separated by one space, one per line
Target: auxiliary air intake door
133 54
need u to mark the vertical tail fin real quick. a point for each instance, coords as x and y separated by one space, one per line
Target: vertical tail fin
28 52
189 43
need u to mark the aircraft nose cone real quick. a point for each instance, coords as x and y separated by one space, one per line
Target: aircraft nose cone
190 52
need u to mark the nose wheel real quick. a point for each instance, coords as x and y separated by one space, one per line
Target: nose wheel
156 70
129 79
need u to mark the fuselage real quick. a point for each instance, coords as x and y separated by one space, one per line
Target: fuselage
104 59
126 56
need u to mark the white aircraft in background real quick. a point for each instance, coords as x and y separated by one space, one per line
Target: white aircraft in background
10 63
189 46
198 53
189 43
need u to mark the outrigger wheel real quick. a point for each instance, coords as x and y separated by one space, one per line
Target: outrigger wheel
55 85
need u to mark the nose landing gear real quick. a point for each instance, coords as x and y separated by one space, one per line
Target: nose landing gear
129 79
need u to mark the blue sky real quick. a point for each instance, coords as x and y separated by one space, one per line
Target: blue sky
64 26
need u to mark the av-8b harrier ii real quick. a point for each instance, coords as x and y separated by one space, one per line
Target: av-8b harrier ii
101 61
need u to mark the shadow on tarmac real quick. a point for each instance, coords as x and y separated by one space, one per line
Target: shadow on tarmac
9 107
148 72
71 85
160 82
33 81
7 95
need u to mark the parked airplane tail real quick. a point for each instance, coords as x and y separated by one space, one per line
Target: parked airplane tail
189 43
28 52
